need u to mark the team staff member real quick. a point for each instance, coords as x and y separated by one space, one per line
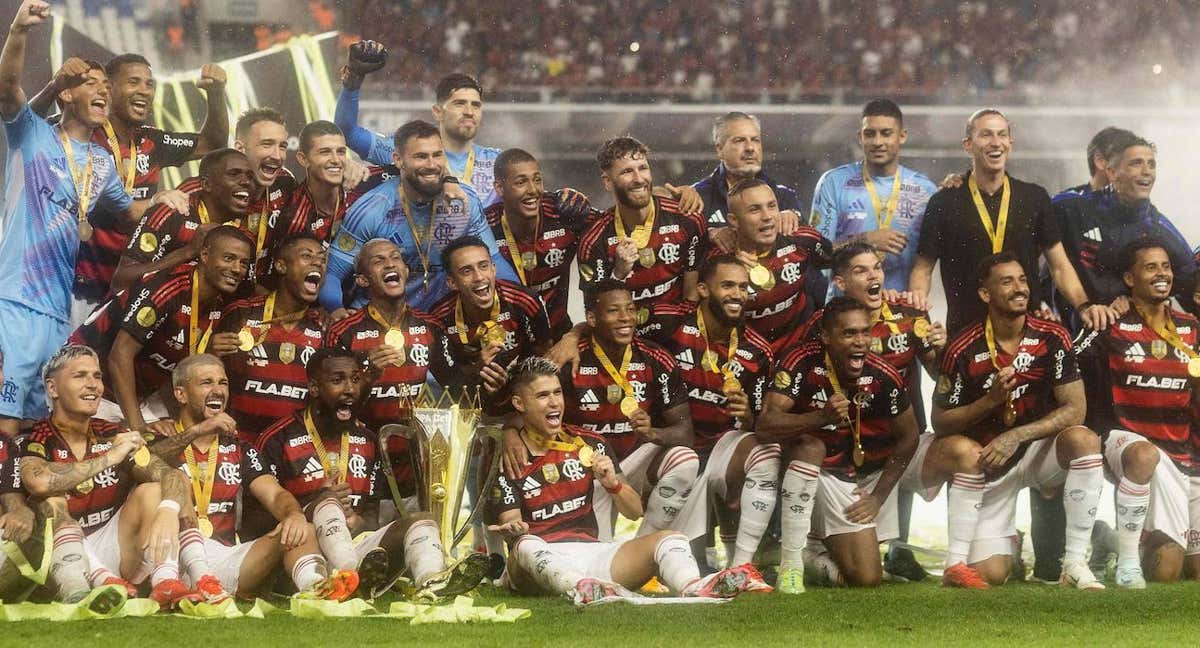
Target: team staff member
1099 149
959 229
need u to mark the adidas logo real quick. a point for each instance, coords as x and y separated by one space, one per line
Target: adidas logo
313 469
530 484
179 337
1135 352
589 398
1093 235
717 217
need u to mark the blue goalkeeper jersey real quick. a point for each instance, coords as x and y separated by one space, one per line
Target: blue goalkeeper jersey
379 213
842 208
39 225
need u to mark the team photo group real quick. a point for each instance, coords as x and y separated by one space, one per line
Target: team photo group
198 381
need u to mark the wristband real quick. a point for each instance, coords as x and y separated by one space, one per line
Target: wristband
613 491
170 504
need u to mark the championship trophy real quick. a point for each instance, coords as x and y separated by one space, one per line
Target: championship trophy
448 445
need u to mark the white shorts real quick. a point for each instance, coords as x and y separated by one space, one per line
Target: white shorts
103 549
834 495
1037 469
690 521
911 479
154 408
225 561
718 463
589 559
370 539
1174 497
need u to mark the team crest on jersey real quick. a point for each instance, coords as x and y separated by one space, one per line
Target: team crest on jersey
555 257
782 380
287 352
146 317
897 343
1022 362
790 273
669 253
148 242
345 242
550 473
614 394
1158 349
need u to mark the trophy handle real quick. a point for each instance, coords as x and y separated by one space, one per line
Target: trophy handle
414 431
485 433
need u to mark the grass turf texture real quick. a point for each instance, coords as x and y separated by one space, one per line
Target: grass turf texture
894 615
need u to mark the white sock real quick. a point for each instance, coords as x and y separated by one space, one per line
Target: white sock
550 570
676 475
797 495
423 551
68 564
333 535
1081 498
166 570
309 571
1133 500
677 568
964 497
728 542
192 556
759 493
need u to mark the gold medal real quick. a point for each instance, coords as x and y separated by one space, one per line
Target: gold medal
858 454
287 352
245 339
394 338
629 405
85 231
85 486
646 257
731 385
494 334
529 259
760 276
1194 367
770 285
141 458
586 455
920 328
614 394
205 526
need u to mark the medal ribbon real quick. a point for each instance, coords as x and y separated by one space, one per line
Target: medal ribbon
514 249
419 240
884 215
461 323
203 479
1167 332
856 426
129 166
382 321
197 344
469 169
886 316
725 370
990 335
561 441
82 180
996 234
641 233
322 454
618 376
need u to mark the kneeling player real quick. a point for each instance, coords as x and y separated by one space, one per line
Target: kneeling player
1010 403
17 523
128 513
547 512
1140 375
218 465
330 462
844 418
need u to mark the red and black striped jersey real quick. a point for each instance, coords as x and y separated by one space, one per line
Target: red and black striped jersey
563 215
593 399
300 214
877 397
10 466
901 348
675 327
522 315
779 313
677 245
270 203
1044 359
237 465
163 230
1136 381
555 491
287 452
270 381
94 502
98 257
156 311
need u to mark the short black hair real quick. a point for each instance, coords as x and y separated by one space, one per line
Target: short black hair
456 81
531 369
709 268
213 159
1101 144
1130 252
618 147
883 108
119 61
227 232
508 158
591 294
255 115
983 269
417 128
466 241
843 255
838 305
295 239
313 130
316 364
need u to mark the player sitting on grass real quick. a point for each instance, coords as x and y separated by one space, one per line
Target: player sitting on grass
548 517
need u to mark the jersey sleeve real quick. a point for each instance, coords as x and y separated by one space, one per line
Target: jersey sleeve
441 359
153 235
1063 366
789 381
478 226
10 468
824 216
364 143
659 324
252 465
142 320
171 149
697 244
893 400
594 263
508 494
22 127
670 390
537 323
755 384
951 384
575 209
1046 227
929 243
270 455
113 195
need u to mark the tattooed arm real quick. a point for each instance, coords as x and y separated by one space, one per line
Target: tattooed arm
17 522
170 448
162 539
172 481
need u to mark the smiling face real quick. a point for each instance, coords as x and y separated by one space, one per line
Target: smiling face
540 403
1133 177
880 138
229 184
133 88
325 160
726 290
302 266
224 263
613 317
473 276
422 164
629 180
1150 278
76 388
206 391
339 386
989 144
847 339
862 280
742 150
521 190
1006 290
755 214
461 114
265 145
90 101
